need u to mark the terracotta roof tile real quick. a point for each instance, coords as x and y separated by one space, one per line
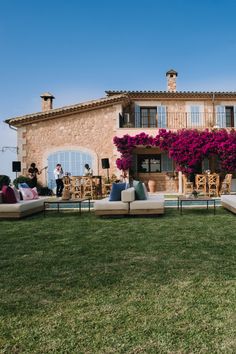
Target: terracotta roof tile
80 107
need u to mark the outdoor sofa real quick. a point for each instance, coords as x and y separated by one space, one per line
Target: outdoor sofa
228 201
128 205
22 208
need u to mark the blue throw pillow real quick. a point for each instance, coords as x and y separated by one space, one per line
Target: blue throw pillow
23 185
116 190
139 190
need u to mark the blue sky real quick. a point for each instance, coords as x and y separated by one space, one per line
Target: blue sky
78 49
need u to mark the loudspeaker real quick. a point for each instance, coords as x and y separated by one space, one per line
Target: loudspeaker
105 163
16 166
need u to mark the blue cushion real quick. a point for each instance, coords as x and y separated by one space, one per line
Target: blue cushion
139 190
23 185
116 190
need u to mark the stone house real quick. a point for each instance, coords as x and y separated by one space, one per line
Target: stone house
83 133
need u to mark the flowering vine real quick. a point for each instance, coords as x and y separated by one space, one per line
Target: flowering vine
186 147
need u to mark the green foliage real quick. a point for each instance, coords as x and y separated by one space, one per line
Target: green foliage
22 179
81 284
4 180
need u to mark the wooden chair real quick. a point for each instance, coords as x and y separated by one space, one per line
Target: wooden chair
187 186
201 183
76 187
88 187
226 184
213 184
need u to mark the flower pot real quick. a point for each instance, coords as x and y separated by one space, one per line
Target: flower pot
152 186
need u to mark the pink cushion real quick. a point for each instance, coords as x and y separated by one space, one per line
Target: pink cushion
8 195
29 193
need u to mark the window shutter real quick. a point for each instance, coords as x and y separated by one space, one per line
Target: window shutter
161 117
220 116
137 116
166 163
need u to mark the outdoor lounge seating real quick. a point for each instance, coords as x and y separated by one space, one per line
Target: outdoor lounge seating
229 202
22 208
129 206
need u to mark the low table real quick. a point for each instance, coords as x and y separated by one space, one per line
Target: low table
182 200
58 202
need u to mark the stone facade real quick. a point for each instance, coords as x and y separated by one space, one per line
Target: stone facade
91 131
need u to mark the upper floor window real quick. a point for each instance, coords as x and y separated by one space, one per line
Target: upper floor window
225 116
195 115
148 117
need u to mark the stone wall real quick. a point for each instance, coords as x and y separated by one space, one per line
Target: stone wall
91 131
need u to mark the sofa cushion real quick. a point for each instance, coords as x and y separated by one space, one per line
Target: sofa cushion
139 190
229 199
105 204
154 202
128 195
116 190
29 193
17 194
8 195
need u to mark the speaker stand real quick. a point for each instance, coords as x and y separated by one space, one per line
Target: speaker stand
108 179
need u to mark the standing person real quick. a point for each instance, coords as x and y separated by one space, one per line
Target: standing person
33 172
87 170
58 173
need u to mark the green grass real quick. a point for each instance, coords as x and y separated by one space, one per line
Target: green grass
71 284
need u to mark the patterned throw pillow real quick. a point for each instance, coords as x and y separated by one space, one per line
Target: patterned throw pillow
116 190
29 193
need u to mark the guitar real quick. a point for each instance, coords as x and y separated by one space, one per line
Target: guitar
33 173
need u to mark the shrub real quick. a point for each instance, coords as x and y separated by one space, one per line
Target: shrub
4 180
22 179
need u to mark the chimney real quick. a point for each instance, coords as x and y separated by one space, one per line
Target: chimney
171 80
47 98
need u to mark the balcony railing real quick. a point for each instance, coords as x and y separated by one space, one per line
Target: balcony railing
174 120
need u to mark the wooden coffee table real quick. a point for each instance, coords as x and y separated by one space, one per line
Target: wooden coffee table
184 200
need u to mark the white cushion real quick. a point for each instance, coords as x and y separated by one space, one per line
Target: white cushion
128 195
154 202
229 199
23 205
105 204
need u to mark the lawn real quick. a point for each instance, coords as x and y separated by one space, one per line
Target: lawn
71 284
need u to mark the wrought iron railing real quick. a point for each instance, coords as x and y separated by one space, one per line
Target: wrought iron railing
170 120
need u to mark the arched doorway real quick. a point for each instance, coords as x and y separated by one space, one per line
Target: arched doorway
72 162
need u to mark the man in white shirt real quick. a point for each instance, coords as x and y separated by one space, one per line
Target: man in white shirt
87 170
58 174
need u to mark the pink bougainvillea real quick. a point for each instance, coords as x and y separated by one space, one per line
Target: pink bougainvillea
186 147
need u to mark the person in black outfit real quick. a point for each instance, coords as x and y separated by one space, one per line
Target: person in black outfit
33 172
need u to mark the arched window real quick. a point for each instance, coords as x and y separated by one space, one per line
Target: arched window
72 162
